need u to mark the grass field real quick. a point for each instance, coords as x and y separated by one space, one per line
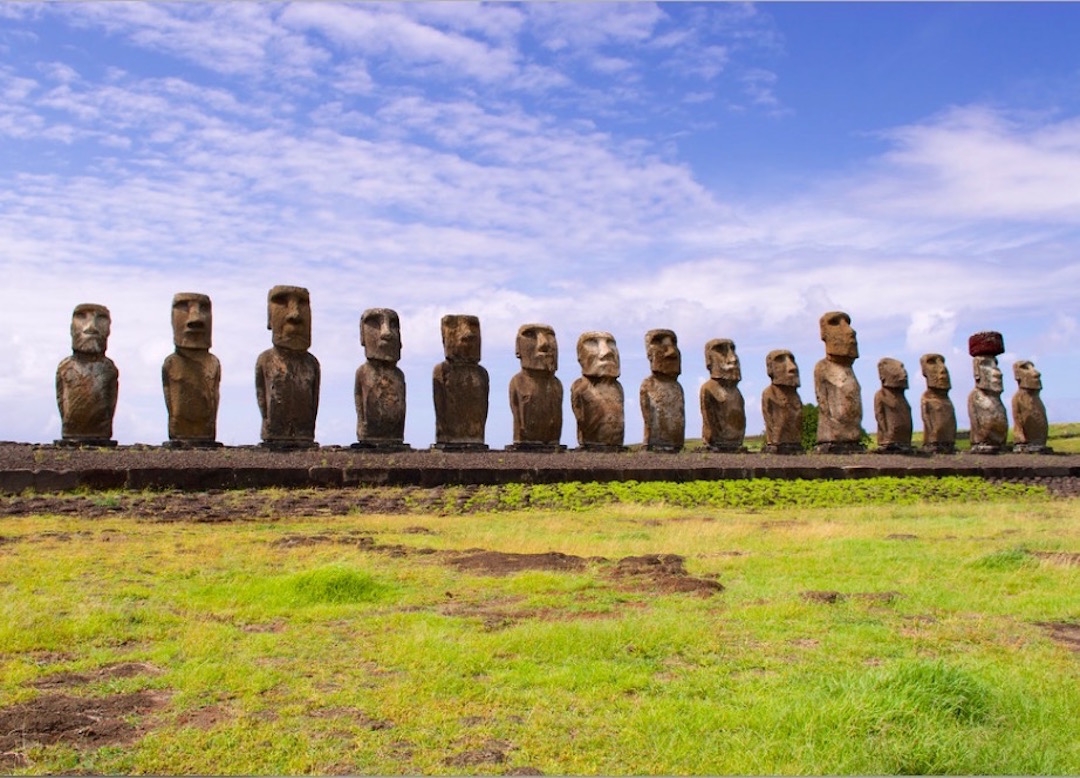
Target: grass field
865 637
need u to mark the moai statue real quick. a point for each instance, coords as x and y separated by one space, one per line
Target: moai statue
1030 425
287 376
597 396
938 414
989 422
892 410
838 393
723 414
460 387
781 406
379 390
536 395
663 405
87 382
191 375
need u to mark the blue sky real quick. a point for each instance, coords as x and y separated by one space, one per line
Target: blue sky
721 170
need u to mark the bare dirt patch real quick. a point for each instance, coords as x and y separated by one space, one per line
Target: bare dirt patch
490 752
824 597
829 597
1062 632
1058 557
502 563
665 573
69 680
203 718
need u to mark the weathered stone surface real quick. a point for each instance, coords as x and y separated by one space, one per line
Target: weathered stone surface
191 375
663 405
938 413
781 406
287 376
379 389
597 396
723 413
839 396
989 422
460 387
1030 424
87 382
536 395
986 344
891 408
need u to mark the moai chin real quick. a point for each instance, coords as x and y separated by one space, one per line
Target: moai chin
989 422
596 397
287 376
892 410
536 395
723 413
1031 428
191 375
379 389
938 413
839 396
460 387
663 405
781 406
87 382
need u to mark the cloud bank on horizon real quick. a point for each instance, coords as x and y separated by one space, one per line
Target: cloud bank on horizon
721 170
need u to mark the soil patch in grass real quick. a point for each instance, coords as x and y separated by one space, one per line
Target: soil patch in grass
501 563
664 573
1064 633
1059 557
491 752
69 680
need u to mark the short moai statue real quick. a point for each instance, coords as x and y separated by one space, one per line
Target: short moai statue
892 410
986 411
379 388
781 406
460 387
839 396
597 396
723 413
1031 428
287 376
536 395
938 413
191 375
663 405
87 382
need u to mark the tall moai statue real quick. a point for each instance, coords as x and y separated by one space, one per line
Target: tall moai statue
87 382
191 375
986 411
287 376
663 405
781 406
1031 428
379 389
460 387
536 395
938 413
597 396
723 413
839 396
892 410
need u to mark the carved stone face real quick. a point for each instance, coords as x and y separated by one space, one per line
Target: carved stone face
380 334
722 362
461 338
935 372
598 355
536 348
892 373
662 348
988 375
781 367
192 320
838 336
90 327
1027 377
289 317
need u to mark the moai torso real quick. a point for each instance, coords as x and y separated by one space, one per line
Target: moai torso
723 415
1030 424
839 398
663 408
287 387
781 408
191 379
379 392
86 391
989 421
599 408
461 393
893 415
939 419
536 398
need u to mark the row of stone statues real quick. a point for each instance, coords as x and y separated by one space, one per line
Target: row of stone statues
287 380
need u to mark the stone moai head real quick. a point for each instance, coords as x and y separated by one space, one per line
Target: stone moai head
892 373
662 349
1027 377
935 372
722 362
289 317
988 375
192 321
839 338
380 334
90 327
781 367
598 355
461 338
537 348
